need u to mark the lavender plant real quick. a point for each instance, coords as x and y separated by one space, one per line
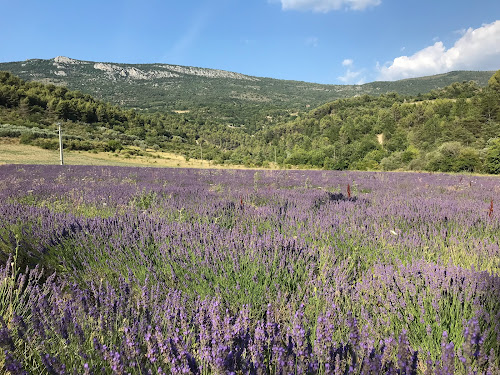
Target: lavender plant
204 271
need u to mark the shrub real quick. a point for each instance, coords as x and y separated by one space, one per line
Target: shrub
27 138
48 144
113 146
493 157
393 161
445 157
468 160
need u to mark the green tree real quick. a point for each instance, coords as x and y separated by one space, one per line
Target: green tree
468 160
494 82
426 135
24 107
444 158
490 104
493 157
113 145
393 162
398 141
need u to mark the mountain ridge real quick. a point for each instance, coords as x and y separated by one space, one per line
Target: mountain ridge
230 98
68 60
65 59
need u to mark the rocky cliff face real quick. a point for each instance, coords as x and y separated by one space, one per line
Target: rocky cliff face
117 72
146 72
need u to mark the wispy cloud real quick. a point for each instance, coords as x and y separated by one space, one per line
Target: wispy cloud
476 49
248 42
347 62
312 41
352 76
460 32
188 39
324 6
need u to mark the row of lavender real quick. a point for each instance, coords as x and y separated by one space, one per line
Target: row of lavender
202 271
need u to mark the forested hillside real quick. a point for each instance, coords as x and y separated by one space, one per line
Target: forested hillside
201 94
453 129
456 128
30 110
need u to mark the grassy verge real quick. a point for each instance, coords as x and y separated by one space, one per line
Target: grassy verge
12 152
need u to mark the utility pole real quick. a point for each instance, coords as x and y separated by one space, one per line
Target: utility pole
198 142
275 156
61 158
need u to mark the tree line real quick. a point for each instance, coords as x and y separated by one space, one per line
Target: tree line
453 129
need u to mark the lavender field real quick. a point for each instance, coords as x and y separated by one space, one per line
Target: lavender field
111 270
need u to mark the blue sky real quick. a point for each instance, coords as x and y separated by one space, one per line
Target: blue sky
325 41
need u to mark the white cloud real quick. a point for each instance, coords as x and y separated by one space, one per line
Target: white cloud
325 6
352 77
347 62
477 49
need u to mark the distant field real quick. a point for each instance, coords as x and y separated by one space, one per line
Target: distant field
12 152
